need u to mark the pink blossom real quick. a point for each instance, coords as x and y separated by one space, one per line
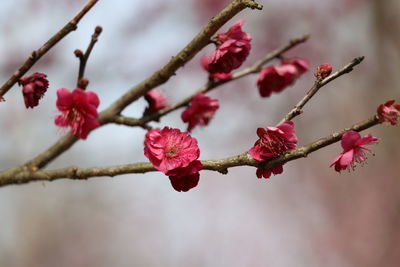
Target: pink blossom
300 64
266 173
273 141
229 56
200 111
205 61
169 149
233 47
234 32
276 78
156 100
183 179
389 112
174 153
34 88
78 111
353 150
184 183
323 71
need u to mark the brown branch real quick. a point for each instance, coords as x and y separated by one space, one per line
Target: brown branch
297 110
37 54
255 68
221 165
83 58
130 122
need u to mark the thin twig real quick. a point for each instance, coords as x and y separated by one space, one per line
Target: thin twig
221 165
255 68
83 57
298 109
37 54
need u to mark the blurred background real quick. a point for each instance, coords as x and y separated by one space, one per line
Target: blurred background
308 216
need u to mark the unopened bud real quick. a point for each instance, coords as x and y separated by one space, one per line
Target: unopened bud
323 71
98 30
83 83
78 53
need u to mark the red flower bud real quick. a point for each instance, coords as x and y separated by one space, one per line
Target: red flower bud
98 30
323 71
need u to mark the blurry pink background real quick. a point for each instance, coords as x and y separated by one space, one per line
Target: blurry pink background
308 216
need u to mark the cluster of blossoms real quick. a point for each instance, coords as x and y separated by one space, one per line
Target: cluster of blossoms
274 79
78 108
352 142
233 47
174 153
33 88
273 142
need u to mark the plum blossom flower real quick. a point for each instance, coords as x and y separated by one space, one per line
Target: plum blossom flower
174 153
200 111
234 32
184 183
34 88
353 150
389 112
233 47
169 149
266 173
156 100
78 111
183 179
323 71
273 142
300 64
274 79
205 61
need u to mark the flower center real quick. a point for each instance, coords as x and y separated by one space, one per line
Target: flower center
276 145
74 115
171 151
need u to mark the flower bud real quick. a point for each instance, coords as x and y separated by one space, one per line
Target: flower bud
98 30
323 71
78 53
83 83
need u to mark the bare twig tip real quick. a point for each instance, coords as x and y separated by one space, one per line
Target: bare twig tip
359 59
254 5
